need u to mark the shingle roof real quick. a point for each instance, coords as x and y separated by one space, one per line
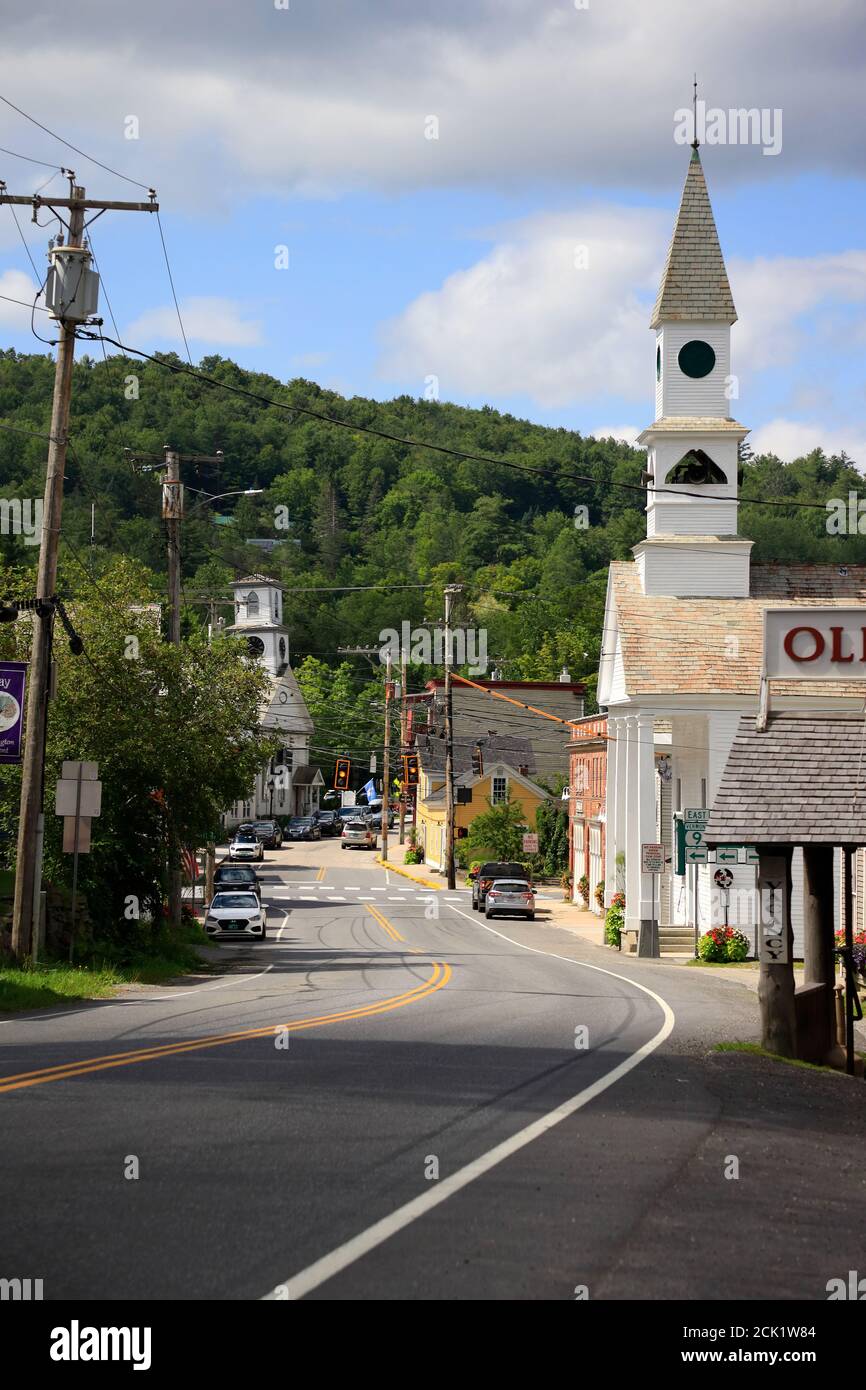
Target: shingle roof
501 748
694 283
306 775
799 782
682 645
693 424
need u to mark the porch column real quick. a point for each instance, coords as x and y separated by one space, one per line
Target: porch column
614 757
617 827
648 939
632 833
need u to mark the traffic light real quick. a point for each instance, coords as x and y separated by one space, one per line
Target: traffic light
341 774
410 769
461 832
477 761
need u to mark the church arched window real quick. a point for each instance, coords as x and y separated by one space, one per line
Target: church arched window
252 605
696 468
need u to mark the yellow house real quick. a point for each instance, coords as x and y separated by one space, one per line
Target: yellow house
500 779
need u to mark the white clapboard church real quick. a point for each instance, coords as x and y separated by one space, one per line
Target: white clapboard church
681 659
290 784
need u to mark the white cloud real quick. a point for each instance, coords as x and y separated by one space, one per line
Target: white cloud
773 296
14 284
206 320
626 433
235 98
790 439
558 310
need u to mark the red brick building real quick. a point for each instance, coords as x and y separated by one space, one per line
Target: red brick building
586 806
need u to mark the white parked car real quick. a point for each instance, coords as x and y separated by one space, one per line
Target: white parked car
510 897
357 834
246 845
236 914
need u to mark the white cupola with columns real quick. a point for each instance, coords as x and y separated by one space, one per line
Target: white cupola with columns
692 547
259 618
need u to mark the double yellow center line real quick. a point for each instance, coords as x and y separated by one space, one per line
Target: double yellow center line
65 1070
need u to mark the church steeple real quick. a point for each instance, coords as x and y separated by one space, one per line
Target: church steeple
692 447
694 281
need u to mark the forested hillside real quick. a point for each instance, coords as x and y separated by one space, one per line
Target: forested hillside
367 513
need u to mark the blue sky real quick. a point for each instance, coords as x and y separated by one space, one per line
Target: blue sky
447 263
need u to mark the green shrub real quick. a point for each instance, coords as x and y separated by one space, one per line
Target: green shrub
723 943
583 888
414 855
615 920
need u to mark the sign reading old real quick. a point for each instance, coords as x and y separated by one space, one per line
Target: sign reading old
815 643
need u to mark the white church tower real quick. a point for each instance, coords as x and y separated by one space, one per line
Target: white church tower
290 784
692 548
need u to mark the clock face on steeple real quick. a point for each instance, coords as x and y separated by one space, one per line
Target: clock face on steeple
696 358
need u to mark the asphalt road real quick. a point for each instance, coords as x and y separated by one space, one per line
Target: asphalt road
392 1098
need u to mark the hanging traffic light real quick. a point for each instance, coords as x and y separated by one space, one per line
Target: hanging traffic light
410 769
342 772
477 761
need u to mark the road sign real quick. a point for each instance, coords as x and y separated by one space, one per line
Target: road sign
752 855
698 854
530 843
723 878
694 838
652 859
727 854
696 817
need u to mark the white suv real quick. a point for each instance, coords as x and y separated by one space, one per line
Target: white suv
357 834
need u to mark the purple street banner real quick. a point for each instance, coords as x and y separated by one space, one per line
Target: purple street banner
12 677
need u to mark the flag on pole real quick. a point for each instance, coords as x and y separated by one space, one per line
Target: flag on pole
369 790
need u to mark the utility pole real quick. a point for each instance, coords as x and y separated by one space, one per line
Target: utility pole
403 736
172 512
450 591
71 298
386 760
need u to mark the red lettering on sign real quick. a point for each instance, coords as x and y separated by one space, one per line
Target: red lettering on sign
836 652
813 632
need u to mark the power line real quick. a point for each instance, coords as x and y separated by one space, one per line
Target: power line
70 146
554 478
44 162
173 293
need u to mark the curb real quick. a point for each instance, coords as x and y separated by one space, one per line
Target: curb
425 882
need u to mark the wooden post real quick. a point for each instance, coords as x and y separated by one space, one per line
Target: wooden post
776 980
818 933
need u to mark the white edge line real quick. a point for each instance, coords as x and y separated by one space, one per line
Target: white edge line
344 1255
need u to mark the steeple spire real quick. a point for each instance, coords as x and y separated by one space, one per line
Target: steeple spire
694 283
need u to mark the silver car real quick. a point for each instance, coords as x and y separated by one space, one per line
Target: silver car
510 897
237 914
357 834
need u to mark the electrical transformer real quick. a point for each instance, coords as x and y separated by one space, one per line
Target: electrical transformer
72 288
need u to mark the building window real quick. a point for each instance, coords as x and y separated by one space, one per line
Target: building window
252 605
499 791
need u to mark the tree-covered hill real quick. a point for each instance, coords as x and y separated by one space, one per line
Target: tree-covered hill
366 513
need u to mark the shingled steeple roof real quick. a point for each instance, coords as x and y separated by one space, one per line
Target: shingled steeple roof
694 282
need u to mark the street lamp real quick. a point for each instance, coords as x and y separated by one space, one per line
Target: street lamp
216 497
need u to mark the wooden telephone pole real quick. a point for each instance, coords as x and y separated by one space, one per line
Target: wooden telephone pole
450 591
71 298
386 759
172 512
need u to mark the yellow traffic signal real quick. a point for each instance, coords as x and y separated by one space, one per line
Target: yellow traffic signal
342 772
410 769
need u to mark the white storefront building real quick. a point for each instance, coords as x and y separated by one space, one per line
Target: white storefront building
681 658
